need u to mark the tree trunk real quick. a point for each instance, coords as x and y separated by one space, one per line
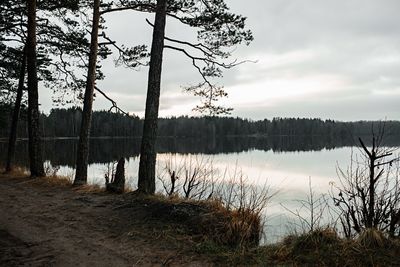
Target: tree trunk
117 184
83 145
14 122
147 165
35 146
371 209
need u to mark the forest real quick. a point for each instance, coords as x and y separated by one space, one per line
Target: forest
66 123
59 46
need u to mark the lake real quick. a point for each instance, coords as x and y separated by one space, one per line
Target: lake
284 163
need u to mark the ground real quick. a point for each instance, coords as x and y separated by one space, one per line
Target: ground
47 222
42 224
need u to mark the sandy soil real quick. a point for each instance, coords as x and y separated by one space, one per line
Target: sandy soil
47 225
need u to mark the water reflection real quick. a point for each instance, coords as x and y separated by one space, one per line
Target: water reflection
284 163
62 152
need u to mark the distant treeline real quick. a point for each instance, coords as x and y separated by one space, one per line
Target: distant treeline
105 150
66 123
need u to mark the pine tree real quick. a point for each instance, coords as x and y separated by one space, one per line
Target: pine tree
83 145
35 151
219 29
48 38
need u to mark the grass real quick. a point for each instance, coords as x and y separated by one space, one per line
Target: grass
207 220
89 189
16 171
54 180
230 236
323 247
373 239
210 221
51 180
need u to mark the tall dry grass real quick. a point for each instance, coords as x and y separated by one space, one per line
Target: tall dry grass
235 216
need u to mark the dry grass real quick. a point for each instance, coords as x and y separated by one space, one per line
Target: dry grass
89 189
323 247
56 180
311 247
230 236
50 181
237 228
315 240
373 239
227 206
207 220
53 180
17 171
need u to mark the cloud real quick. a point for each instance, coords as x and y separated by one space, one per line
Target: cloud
340 108
331 59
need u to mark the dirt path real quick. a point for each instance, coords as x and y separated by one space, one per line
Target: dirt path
42 225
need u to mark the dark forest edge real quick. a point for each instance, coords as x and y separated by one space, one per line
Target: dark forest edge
66 123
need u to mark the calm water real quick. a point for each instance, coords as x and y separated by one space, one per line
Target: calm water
285 164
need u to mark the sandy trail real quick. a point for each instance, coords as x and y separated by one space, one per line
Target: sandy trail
43 225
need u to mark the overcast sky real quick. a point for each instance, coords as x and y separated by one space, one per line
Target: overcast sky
337 59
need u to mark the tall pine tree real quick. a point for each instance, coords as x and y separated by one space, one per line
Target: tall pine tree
218 30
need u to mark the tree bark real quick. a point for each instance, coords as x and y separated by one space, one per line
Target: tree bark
17 107
35 146
147 165
83 145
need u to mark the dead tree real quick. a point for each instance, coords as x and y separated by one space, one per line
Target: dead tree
369 192
117 184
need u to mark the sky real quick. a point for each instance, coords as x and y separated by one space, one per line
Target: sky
331 59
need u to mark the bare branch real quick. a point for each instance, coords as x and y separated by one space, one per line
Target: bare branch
137 7
114 104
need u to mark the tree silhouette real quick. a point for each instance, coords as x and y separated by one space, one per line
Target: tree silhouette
61 38
369 194
218 29
35 151
127 56
83 145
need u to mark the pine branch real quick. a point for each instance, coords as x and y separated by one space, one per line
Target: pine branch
114 104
